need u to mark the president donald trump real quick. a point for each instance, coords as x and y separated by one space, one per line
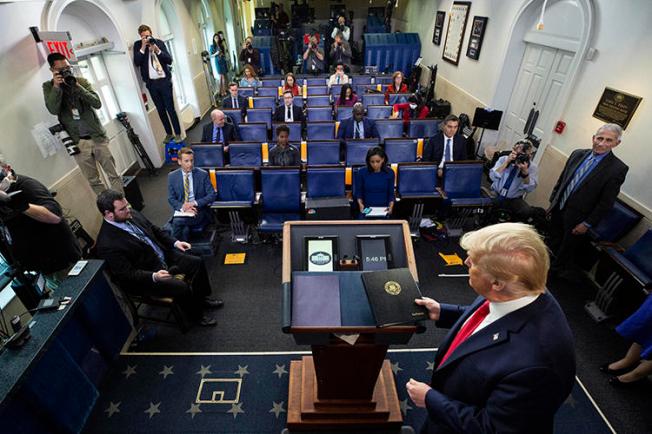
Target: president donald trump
508 361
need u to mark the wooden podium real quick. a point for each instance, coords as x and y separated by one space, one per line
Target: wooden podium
343 386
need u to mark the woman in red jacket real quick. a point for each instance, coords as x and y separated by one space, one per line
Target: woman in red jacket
412 109
291 84
397 86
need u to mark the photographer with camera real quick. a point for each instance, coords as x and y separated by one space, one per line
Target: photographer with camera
342 28
313 57
152 57
250 55
32 222
341 51
514 175
73 100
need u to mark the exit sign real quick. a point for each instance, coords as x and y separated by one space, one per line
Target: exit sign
58 42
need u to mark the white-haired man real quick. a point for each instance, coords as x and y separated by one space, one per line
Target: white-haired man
508 361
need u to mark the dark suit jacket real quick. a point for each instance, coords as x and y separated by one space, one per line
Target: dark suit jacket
346 130
511 376
130 260
142 60
201 187
279 114
597 193
434 149
229 131
242 103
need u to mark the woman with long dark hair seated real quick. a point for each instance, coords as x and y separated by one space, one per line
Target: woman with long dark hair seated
347 97
375 183
290 84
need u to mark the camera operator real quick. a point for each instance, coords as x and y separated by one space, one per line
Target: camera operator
314 57
39 237
250 55
341 51
342 28
514 175
73 100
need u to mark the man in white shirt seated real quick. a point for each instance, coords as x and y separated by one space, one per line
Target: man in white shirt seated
339 77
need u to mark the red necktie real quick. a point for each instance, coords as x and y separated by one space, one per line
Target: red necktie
467 329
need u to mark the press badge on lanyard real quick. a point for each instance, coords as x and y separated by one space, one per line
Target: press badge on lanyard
75 114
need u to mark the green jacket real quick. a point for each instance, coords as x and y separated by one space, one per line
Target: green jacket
88 101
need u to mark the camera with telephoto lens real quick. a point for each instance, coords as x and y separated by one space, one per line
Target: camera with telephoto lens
59 131
68 77
523 155
150 40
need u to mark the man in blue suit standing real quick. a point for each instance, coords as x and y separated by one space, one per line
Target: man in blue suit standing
151 56
508 362
357 126
189 191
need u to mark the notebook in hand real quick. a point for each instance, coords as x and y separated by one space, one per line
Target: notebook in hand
391 295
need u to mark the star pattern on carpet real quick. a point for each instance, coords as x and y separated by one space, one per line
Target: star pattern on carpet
167 370
431 366
242 371
113 408
204 370
280 370
570 401
278 408
153 409
405 406
193 410
396 368
131 370
235 409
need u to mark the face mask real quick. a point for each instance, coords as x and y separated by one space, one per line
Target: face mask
413 106
6 182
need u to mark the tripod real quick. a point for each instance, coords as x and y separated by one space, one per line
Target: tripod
138 146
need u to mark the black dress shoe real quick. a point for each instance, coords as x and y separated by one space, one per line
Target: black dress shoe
605 368
213 303
207 321
615 382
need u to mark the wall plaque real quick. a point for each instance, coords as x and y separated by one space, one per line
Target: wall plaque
616 107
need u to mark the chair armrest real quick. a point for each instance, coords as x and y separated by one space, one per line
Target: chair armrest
441 192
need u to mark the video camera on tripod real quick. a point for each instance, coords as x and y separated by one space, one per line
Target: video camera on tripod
135 141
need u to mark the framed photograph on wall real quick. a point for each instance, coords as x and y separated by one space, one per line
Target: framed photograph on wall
455 32
439 27
477 36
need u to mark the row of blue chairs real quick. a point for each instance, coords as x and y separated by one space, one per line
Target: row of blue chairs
327 130
281 195
322 79
315 152
267 97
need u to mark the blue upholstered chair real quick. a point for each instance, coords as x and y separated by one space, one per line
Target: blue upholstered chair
281 198
235 115
260 115
336 90
616 223
295 130
361 79
379 111
253 132
314 81
373 99
390 128
265 102
401 150
462 184
267 91
245 154
235 188
356 151
397 98
323 152
246 91
343 113
320 113
417 181
387 79
272 82
325 182
317 90
421 128
320 130
208 156
318 100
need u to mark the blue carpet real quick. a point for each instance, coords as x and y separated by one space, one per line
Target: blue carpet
159 394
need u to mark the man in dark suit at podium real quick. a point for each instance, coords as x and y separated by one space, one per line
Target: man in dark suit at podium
234 100
145 260
446 145
508 361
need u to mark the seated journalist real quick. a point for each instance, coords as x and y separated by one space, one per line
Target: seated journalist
508 362
145 260
375 183
284 154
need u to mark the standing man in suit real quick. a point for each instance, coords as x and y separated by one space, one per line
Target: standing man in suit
508 361
233 100
219 131
190 191
446 145
154 60
288 112
357 126
145 260
586 189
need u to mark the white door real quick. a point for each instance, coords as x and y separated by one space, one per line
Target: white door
541 76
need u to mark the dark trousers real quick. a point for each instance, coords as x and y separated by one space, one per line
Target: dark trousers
182 226
519 209
564 245
190 291
161 93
